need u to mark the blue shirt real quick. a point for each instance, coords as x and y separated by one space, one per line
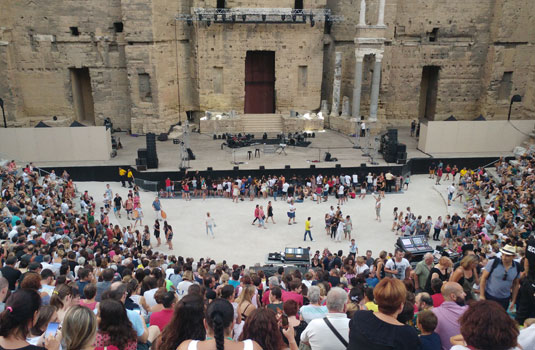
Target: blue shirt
137 322
496 286
430 342
157 206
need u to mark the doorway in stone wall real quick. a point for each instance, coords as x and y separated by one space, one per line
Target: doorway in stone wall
259 82
82 96
429 92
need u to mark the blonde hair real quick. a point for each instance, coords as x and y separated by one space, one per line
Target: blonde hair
446 262
468 260
246 294
79 328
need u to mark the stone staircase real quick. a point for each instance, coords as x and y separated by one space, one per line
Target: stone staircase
256 123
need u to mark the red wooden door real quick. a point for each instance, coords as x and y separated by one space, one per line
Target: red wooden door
260 82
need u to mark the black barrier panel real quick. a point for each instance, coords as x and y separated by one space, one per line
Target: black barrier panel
414 166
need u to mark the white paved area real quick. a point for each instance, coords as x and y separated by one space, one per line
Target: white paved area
237 241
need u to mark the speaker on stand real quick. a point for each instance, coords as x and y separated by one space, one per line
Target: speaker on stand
152 156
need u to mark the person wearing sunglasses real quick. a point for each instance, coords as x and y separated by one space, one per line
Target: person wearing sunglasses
500 280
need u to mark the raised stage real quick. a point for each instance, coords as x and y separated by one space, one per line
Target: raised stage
298 161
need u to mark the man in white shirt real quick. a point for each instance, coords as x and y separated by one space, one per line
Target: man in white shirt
490 223
285 187
398 265
451 191
355 180
318 334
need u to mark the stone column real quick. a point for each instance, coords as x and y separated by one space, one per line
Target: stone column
336 84
346 112
376 81
362 17
381 17
357 87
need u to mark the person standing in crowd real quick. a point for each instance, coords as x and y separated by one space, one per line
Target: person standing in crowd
157 206
156 228
449 312
219 317
210 224
129 207
117 204
139 217
308 226
122 176
381 330
331 332
398 265
421 272
377 207
168 187
270 212
500 280
256 213
261 217
130 178
291 213
451 191
169 236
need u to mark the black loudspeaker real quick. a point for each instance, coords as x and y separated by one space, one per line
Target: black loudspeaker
141 167
363 165
262 167
142 153
209 168
152 163
392 135
312 166
236 168
141 161
162 137
401 147
338 166
286 167
151 145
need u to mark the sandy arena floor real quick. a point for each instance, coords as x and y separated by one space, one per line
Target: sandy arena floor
237 241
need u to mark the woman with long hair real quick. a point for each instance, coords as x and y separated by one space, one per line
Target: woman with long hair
17 319
186 323
79 329
218 324
245 305
466 275
262 326
63 298
47 314
114 327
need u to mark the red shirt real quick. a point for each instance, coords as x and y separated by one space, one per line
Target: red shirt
167 183
109 233
293 296
438 299
161 318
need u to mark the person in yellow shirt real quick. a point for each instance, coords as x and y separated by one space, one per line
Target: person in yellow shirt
463 172
308 226
122 176
130 178
369 300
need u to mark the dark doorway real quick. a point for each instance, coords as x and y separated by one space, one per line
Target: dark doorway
82 95
298 5
260 82
429 92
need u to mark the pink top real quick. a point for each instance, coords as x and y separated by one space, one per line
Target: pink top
90 306
161 318
103 340
293 296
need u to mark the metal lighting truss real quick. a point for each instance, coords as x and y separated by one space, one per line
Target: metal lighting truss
258 15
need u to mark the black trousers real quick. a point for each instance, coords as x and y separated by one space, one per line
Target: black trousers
525 300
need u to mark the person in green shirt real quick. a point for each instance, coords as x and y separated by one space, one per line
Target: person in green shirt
421 272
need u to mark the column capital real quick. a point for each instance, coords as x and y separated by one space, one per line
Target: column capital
379 57
359 55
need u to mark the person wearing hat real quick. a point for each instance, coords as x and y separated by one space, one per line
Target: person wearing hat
501 277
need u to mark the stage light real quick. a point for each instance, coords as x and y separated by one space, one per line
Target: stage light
312 21
294 18
224 17
307 116
189 21
208 23
244 17
264 18
283 17
233 17
200 17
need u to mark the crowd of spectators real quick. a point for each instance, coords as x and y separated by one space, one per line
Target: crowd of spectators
61 265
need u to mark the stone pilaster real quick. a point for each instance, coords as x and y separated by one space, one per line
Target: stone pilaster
336 84
376 82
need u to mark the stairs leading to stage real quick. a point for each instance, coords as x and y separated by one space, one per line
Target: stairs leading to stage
255 123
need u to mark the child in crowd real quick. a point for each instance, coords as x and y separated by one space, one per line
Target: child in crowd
426 323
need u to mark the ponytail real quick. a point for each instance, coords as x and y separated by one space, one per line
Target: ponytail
219 330
20 309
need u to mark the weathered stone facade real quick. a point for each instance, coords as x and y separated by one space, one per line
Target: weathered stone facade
146 69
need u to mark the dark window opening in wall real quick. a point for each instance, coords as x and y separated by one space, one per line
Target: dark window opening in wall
433 35
327 28
190 115
429 92
298 5
302 78
74 31
118 27
506 86
145 92
82 95
220 4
